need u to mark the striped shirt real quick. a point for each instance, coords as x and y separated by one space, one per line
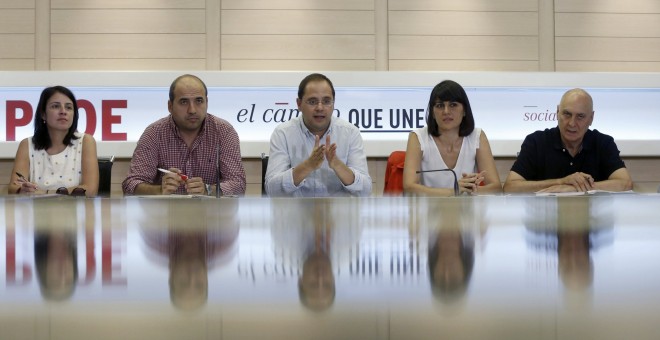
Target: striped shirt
161 146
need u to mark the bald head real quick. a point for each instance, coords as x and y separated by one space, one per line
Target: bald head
577 94
186 78
575 113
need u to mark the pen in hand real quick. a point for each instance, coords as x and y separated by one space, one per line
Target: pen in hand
21 177
183 177
24 184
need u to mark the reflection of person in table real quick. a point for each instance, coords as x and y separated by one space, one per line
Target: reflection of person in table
575 268
55 257
316 285
56 223
316 234
573 227
188 270
451 260
582 226
453 226
200 235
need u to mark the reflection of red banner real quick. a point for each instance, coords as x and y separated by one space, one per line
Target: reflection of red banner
11 260
107 251
109 269
111 257
90 258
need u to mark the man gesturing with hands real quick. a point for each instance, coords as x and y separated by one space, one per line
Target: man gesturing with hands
300 166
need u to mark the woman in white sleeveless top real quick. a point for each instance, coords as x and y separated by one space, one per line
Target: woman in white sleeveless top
449 141
57 155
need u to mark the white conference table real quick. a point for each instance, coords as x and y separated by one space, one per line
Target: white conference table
490 267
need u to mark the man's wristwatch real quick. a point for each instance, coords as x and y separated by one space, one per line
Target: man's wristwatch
208 189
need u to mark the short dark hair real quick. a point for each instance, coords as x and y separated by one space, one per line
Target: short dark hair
449 90
173 85
41 138
311 78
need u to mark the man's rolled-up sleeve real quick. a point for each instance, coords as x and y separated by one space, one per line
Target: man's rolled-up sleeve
357 162
279 175
231 163
144 163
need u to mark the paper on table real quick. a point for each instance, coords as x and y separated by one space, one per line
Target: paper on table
580 193
568 193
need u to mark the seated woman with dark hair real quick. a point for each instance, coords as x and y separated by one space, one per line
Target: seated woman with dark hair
57 158
449 141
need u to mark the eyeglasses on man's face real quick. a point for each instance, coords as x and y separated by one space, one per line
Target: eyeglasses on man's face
315 101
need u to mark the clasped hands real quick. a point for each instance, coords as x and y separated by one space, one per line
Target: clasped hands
579 181
171 182
469 182
323 152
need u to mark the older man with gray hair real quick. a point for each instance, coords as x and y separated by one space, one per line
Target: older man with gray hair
569 157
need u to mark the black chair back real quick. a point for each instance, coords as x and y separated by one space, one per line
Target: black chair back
105 175
264 167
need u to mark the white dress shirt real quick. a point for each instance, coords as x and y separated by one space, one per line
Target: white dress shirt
291 144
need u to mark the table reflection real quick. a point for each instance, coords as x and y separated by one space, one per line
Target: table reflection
452 227
368 268
55 257
56 226
572 228
191 236
312 234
